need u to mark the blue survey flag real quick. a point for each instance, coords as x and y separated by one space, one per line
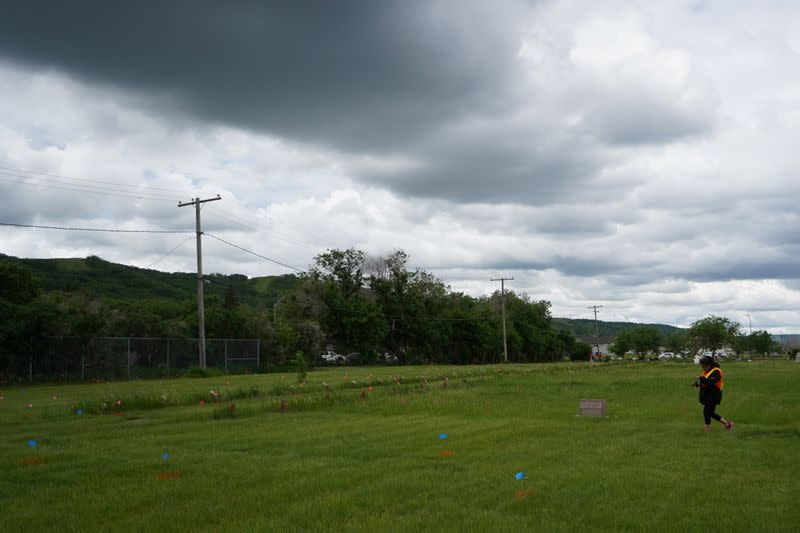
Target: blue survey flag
519 475
165 456
32 443
442 435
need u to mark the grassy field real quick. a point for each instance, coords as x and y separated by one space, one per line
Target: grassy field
360 450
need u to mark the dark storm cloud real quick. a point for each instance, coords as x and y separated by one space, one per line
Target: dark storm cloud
492 172
357 73
633 118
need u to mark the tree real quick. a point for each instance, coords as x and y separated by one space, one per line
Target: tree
713 332
344 268
565 343
676 342
761 342
580 351
641 339
530 334
18 285
621 346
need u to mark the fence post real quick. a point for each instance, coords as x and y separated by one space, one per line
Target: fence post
83 365
30 360
129 358
258 354
167 357
226 355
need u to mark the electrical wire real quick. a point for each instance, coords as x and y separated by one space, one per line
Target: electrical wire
187 239
106 230
121 190
253 253
80 188
223 214
104 182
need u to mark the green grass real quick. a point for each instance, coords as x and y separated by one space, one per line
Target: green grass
344 457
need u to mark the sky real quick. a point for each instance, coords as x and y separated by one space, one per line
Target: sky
640 156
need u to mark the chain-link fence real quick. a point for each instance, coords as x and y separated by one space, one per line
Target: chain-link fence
72 358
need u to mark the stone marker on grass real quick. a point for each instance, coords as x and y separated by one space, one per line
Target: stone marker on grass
592 408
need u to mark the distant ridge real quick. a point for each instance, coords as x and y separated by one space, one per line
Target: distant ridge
582 327
98 278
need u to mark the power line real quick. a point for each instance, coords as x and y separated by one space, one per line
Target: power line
80 188
106 230
66 178
253 253
187 239
120 190
248 225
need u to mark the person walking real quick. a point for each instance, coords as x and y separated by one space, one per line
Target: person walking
710 384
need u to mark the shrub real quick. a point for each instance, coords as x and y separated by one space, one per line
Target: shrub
299 365
580 352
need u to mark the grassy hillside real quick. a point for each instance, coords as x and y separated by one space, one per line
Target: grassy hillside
99 278
584 326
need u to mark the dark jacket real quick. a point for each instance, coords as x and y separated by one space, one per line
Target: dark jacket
709 393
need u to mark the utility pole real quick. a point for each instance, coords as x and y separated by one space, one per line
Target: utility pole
750 323
201 316
596 333
503 292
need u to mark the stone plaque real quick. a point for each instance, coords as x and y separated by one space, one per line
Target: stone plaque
592 408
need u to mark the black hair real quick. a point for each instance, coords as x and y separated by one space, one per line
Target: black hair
708 360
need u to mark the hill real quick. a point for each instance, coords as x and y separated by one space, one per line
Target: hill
581 327
787 339
96 278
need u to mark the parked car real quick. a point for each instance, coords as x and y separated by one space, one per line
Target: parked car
667 355
387 357
330 356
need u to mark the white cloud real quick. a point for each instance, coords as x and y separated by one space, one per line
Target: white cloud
638 157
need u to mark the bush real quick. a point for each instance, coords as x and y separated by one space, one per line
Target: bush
580 352
197 372
299 365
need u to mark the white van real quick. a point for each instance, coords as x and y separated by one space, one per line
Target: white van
331 357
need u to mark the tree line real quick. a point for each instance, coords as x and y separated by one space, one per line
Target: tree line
372 306
711 333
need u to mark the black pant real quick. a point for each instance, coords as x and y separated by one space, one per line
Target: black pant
708 413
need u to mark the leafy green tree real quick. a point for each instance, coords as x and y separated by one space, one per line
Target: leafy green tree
565 342
713 332
676 342
621 346
18 285
344 268
580 351
530 334
642 340
761 342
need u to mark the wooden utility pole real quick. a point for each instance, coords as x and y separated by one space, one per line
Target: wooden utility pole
201 316
503 292
596 334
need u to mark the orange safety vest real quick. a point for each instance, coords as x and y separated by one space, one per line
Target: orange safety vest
719 383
